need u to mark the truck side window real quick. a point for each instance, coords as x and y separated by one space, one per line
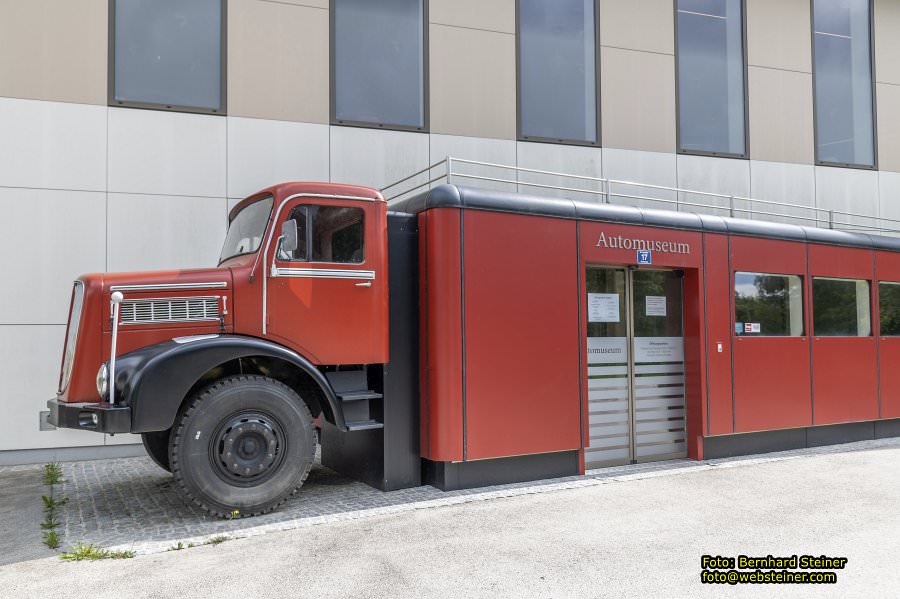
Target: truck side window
334 234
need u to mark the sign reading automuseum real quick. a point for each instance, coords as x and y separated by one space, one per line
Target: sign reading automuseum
607 350
627 243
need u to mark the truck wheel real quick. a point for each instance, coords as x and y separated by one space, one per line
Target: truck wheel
157 446
242 446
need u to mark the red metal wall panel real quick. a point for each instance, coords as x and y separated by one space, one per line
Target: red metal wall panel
845 378
718 330
888 269
441 330
771 374
522 335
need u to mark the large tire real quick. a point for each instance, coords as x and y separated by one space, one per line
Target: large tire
242 446
156 445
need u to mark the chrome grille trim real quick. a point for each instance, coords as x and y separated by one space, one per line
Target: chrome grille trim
169 286
170 309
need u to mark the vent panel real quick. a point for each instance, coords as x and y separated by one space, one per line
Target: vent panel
170 309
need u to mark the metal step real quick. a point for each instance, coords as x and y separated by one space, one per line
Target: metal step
358 395
364 425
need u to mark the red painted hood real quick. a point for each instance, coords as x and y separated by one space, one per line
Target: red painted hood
92 343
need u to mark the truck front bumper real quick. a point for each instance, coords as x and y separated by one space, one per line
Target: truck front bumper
97 417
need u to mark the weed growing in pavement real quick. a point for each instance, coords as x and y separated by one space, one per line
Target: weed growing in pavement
53 475
51 539
180 546
217 540
82 552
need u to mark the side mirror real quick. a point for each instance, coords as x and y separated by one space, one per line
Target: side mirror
289 236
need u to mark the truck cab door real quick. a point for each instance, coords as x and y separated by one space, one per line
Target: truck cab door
328 299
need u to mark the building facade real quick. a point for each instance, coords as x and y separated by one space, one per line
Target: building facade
128 128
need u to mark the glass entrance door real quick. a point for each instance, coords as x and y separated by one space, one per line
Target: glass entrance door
635 360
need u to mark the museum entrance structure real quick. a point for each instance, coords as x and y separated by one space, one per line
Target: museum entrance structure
635 364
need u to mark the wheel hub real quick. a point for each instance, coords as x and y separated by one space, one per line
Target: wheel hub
247 447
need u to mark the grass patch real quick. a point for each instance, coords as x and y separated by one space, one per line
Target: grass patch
218 539
82 552
179 546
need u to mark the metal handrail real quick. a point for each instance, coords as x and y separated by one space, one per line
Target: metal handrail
683 198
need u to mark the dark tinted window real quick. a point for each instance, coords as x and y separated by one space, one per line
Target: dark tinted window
841 308
843 76
168 52
379 58
768 305
889 308
328 234
711 76
557 70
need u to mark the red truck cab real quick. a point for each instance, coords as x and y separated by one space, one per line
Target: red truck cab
223 371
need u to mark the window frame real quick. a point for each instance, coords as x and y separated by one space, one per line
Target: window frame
309 235
746 95
597 122
111 100
872 306
812 42
426 79
804 332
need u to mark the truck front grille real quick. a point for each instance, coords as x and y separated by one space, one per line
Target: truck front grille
169 309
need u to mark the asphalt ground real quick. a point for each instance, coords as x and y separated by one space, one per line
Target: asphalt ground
639 533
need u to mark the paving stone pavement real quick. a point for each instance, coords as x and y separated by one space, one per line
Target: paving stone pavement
132 503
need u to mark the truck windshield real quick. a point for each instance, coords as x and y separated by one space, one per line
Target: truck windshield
246 230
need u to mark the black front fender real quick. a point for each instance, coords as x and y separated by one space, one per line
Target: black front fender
154 380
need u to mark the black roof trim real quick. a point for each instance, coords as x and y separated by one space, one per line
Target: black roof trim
473 198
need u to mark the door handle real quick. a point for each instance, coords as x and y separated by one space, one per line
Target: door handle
366 284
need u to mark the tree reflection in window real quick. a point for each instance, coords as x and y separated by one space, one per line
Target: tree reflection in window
772 305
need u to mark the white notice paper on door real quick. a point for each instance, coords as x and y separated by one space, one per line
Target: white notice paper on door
603 307
656 305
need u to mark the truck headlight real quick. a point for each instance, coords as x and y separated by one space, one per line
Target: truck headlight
103 381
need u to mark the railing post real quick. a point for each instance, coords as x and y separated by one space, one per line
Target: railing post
831 219
731 206
449 169
604 197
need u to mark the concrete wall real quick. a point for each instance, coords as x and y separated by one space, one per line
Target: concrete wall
114 188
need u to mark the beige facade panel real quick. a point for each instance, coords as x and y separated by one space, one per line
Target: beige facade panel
887 41
781 116
888 97
647 25
277 61
490 15
637 100
54 50
779 34
473 82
